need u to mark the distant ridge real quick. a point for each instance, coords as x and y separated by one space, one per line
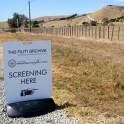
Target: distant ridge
110 12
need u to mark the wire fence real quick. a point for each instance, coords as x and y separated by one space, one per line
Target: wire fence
112 33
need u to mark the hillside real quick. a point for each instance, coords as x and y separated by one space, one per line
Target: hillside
110 12
4 25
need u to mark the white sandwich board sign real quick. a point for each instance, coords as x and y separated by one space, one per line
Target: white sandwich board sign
27 70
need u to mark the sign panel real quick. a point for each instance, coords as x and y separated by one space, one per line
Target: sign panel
27 70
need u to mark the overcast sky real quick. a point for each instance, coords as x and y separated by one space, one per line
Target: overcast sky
41 8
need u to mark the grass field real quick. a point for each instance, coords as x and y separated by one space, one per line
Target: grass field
88 77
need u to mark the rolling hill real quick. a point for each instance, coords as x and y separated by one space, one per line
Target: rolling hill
110 12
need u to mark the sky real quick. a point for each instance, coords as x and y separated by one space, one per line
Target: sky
41 8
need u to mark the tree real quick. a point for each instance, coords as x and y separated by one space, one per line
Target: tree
105 21
93 23
18 20
35 24
85 23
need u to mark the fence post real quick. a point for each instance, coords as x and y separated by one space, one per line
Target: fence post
95 32
89 31
85 31
61 31
80 30
99 32
64 31
118 33
103 32
67 31
92 31
74 31
112 33
70 31
108 32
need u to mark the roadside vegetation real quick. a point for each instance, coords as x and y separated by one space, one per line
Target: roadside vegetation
88 77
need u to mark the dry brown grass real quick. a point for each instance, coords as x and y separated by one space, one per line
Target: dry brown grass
88 77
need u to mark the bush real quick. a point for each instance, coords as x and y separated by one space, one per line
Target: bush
93 23
13 30
71 17
85 23
35 24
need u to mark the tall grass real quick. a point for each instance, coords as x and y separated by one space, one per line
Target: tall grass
95 80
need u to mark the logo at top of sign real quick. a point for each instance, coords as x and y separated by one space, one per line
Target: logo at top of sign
12 63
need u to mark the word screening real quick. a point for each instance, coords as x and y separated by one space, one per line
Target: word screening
29 75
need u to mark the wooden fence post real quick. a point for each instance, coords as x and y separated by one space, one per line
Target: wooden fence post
82 31
112 33
118 33
76 31
68 31
89 31
62 31
108 32
85 30
65 31
95 32
103 32
99 32
72 31
92 31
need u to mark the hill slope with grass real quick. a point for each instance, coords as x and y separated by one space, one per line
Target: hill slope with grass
110 12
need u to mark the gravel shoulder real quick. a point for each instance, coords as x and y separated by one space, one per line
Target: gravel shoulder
55 117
